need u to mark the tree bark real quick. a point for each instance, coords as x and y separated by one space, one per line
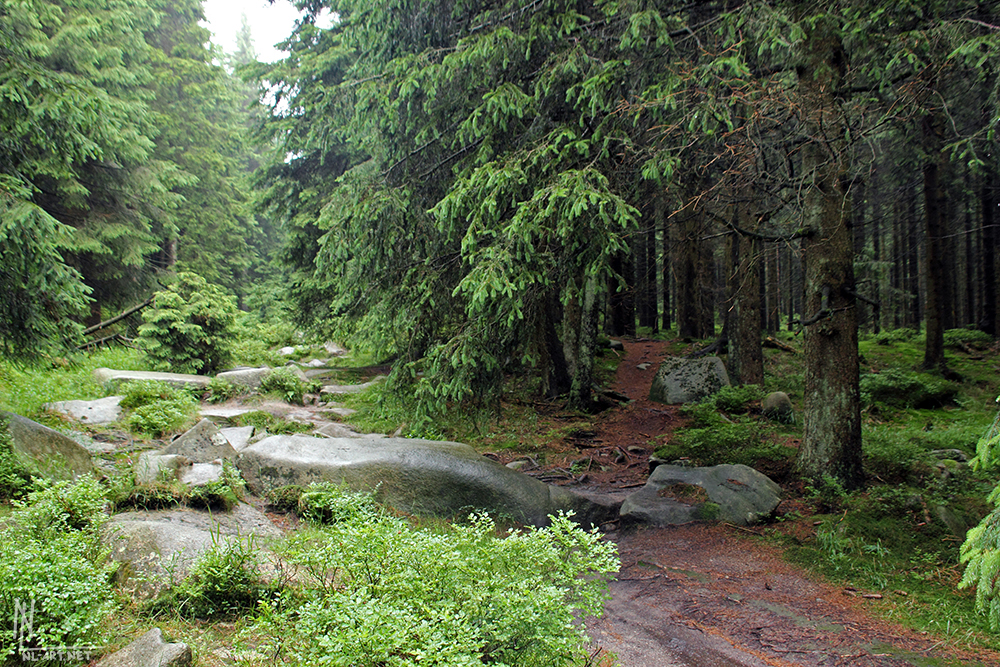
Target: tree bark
988 258
831 443
933 264
746 357
581 390
687 275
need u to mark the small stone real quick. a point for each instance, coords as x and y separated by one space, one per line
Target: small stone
518 465
644 366
636 449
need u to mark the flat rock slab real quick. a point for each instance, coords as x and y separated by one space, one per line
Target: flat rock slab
334 389
223 413
107 377
418 476
158 548
150 650
675 495
47 452
681 380
98 412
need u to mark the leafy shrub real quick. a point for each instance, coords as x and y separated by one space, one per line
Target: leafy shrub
254 342
188 326
157 407
982 543
961 339
734 399
225 582
143 392
155 419
329 503
220 390
51 554
906 389
63 506
895 336
384 593
283 383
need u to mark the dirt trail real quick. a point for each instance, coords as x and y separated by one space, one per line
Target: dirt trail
715 596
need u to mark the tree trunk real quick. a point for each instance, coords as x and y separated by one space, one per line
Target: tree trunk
933 264
665 278
688 292
581 390
621 298
746 358
988 258
831 443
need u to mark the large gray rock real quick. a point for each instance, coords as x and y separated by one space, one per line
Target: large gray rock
149 651
245 377
680 380
46 452
111 379
238 436
98 412
674 495
418 476
156 549
202 443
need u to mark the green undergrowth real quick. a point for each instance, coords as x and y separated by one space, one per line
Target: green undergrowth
25 388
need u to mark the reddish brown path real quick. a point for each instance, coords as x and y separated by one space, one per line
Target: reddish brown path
717 596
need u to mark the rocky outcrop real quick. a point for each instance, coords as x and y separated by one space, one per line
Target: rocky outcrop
418 476
46 452
334 389
156 549
674 495
150 650
681 380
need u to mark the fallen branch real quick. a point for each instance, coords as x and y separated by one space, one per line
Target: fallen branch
117 318
772 342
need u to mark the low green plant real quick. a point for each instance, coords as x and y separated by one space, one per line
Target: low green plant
52 561
285 498
702 415
895 336
381 592
325 502
963 339
734 399
827 493
906 389
222 494
156 408
220 390
283 383
161 417
748 443
263 421
188 327
225 582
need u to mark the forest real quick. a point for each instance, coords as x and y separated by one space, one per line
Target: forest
478 194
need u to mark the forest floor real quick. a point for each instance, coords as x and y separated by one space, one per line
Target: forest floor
705 595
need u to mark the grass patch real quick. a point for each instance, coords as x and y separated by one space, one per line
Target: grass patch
24 389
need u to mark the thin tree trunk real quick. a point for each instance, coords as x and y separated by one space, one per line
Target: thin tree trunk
746 358
581 391
988 257
665 279
933 264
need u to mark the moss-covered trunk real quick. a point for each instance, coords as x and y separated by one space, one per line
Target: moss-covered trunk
832 441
